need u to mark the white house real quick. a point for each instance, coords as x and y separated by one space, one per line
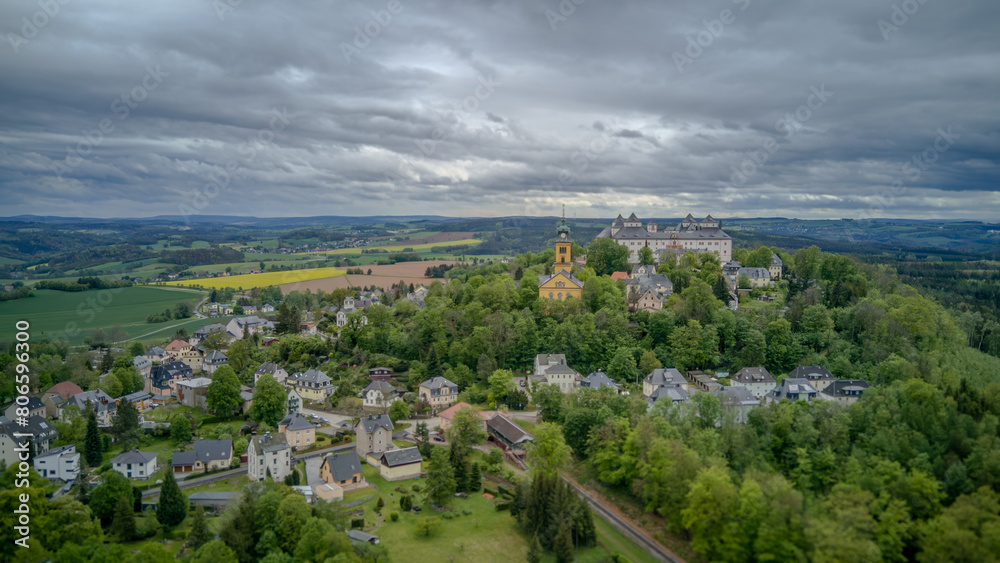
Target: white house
272 369
269 453
757 380
379 395
135 464
61 463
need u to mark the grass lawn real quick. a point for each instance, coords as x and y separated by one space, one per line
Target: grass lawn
478 533
74 315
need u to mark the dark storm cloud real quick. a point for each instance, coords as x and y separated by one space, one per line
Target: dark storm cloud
733 107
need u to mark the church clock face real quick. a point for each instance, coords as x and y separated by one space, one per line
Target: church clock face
562 235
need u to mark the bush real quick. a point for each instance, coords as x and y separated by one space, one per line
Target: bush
490 491
449 515
416 487
466 512
505 505
357 523
394 516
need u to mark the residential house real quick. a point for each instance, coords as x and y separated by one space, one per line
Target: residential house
844 391
249 309
213 360
737 402
562 376
358 537
660 377
298 430
307 328
757 277
104 406
163 379
194 392
12 448
246 395
42 431
176 347
647 292
140 400
757 380
615 276
374 435
272 369
506 433
703 381
294 402
269 454
793 389
380 373
642 270
445 417
775 268
438 392
242 326
313 385
597 380
818 376
379 395
60 464
212 455
142 365
135 464
33 406
342 469
203 332
193 357
544 361
267 308
399 464
674 394
55 397
215 501
156 355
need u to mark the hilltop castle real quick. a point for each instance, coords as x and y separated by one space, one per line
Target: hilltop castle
689 235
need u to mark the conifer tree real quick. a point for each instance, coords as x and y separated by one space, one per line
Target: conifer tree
93 446
535 551
123 524
563 544
475 478
173 504
198 536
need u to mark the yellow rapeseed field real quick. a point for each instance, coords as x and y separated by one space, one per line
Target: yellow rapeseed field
248 281
399 247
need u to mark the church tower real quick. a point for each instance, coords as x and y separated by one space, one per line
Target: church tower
564 247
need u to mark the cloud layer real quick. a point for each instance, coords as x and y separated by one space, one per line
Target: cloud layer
731 107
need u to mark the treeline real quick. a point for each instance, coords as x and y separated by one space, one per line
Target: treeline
86 258
201 256
179 311
16 293
82 284
438 271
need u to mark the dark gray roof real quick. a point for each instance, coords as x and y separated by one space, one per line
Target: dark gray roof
385 387
846 388
268 368
134 456
812 373
211 450
215 356
209 328
405 456
734 396
296 421
665 376
272 442
213 496
674 393
543 278
183 458
559 368
753 375
372 423
312 375
510 431
98 398
343 465
754 273
137 396
436 383
598 379
792 388
34 403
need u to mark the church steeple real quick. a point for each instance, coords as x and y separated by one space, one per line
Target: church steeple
564 247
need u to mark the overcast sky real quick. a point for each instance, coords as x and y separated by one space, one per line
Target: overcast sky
731 107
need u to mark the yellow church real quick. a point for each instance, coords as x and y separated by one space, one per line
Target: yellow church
561 284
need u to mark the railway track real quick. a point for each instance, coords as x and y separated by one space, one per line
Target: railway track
651 547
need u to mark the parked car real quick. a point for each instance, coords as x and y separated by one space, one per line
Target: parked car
324 419
522 383
438 439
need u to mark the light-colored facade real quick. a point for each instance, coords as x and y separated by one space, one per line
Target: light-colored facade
313 385
374 435
194 392
135 464
757 380
298 430
269 453
379 395
274 370
688 235
61 463
396 465
439 393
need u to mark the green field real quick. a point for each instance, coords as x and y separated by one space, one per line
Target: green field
75 315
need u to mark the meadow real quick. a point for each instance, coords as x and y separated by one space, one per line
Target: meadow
249 281
396 247
74 315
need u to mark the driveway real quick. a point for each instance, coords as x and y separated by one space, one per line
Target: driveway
334 419
312 471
